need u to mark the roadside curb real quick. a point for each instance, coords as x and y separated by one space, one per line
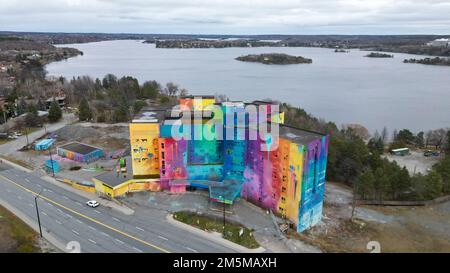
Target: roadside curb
31 223
216 237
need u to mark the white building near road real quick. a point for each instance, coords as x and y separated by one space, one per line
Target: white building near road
443 42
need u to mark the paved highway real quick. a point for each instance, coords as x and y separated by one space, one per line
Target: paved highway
66 217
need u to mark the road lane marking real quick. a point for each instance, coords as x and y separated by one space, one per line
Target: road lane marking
76 232
92 241
115 219
44 213
79 204
68 215
65 197
26 179
119 241
140 229
191 249
31 205
86 217
58 222
164 238
93 228
78 221
105 234
97 211
137 249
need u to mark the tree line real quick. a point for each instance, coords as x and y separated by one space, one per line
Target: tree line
359 163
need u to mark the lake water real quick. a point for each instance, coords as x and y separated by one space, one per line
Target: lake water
340 87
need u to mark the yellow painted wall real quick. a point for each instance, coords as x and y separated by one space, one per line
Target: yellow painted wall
294 186
101 188
78 186
144 148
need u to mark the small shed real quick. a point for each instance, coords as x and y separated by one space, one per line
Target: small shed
44 144
52 166
400 151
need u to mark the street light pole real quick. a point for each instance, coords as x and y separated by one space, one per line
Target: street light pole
26 134
37 213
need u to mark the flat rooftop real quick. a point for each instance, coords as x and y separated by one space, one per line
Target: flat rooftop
298 135
79 148
110 178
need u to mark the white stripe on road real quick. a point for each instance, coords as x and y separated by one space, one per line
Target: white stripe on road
58 222
31 205
191 249
79 221
92 241
65 197
79 204
91 228
115 219
44 213
74 231
119 241
97 211
26 179
140 229
105 234
137 249
164 238
70 216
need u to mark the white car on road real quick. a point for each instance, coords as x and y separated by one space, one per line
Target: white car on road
92 203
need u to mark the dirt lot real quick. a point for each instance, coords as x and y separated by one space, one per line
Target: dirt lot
397 229
415 162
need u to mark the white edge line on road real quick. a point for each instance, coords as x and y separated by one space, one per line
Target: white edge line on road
191 249
140 229
92 241
76 232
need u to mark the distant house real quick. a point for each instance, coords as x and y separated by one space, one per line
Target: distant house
61 101
443 42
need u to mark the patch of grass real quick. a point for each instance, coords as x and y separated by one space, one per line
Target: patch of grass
3 141
17 161
16 236
212 224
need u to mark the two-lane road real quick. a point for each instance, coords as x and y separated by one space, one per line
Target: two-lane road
67 218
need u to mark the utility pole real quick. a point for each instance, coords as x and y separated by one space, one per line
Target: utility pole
37 213
26 134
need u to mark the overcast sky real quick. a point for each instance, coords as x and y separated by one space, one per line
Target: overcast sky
228 16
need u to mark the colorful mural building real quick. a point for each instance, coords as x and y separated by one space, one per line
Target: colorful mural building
282 172
80 152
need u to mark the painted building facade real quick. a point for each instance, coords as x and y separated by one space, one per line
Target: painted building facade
288 179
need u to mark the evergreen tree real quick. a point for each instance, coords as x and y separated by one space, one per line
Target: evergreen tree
32 118
365 185
84 111
22 107
55 112
433 185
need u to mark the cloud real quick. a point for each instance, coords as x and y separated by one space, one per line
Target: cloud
228 16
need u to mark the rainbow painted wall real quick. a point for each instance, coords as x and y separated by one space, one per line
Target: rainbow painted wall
289 180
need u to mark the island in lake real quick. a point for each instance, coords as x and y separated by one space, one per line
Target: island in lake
274 58
429 61
379 55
